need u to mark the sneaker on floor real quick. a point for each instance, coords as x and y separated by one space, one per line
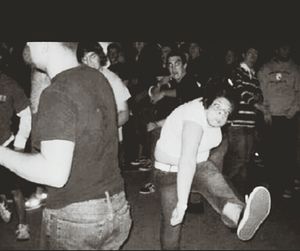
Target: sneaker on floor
22 232
287 194
146 165
297 184
35 201
4 212
148 188
257 208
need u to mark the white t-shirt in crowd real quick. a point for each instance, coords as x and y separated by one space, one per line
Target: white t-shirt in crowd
170 141
120 91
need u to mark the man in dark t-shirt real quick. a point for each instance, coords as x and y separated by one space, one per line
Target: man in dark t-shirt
76 138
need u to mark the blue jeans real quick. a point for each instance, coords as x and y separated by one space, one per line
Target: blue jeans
209 182
238 158
90 225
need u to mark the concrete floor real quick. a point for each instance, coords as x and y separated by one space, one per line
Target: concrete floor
281 231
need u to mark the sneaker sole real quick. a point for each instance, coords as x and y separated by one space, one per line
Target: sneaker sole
35 207
146 192
144 169
256 211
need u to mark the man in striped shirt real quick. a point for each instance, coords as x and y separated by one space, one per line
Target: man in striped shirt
241 131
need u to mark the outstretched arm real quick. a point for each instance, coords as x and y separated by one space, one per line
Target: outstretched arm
50 167
191 138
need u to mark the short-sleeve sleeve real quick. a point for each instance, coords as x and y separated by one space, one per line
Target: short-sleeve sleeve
194 111
56 117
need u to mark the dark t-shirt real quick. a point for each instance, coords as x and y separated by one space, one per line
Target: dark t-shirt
188 89
12 100
79 106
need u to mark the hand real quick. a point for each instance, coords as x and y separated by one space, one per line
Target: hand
156 97
291 112
268 118
177 215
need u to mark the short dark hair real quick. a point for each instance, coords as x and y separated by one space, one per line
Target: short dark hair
210 93
114 46
85 47
177 53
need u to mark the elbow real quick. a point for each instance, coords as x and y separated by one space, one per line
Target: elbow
58 183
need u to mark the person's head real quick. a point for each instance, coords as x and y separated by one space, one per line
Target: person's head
113 53
40 54
91 54
165 51
283 52
219 104
139 46
250 55
194 50
177 64
230 56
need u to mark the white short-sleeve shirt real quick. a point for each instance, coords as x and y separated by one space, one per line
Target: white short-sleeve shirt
170 141
120 91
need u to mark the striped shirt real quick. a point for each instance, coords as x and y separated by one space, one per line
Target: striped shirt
247 86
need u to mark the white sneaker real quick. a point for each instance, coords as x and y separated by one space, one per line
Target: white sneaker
4 212
22 232
257 208
35 201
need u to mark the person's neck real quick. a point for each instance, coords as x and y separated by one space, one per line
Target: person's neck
62 64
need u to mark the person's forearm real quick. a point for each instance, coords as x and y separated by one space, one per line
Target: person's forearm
123 117
24 128
32 167
185 176
170 93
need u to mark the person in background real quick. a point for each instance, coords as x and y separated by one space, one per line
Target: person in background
173 90
242 128
13 101
280 84
91 54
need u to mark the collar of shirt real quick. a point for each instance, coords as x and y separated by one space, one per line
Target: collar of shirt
251 72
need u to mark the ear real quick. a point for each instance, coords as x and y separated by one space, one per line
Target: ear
184 66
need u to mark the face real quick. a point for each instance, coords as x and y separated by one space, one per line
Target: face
229 57
194 50
283 53
177 68
250 57
165 52
139 45
92 59
218 112
113 55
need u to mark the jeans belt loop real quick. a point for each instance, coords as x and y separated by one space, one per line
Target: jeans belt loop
109 205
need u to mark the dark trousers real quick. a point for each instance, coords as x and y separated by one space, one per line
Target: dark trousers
281 152
208 181
239 156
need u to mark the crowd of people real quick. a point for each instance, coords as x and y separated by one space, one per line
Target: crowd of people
196 121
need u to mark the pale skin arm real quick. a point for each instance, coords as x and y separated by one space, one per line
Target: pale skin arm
50 167
191 138
123 114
